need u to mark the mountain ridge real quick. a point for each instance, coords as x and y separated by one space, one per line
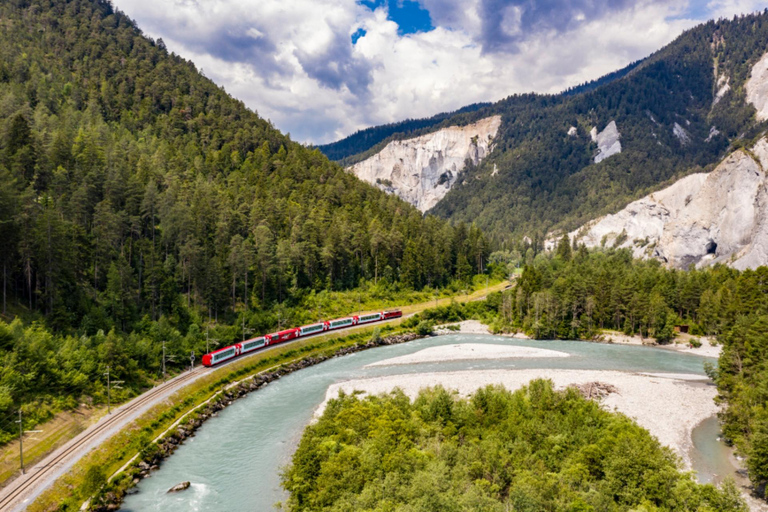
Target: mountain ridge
678 111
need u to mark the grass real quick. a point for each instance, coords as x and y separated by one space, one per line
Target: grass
37 446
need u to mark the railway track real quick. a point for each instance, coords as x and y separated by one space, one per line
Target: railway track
12 494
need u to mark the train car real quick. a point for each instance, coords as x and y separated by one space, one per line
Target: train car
366 319
253 344
282 336
386 315
309 330
341 323
233 351
221 355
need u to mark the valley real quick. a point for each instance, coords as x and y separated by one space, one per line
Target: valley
575 282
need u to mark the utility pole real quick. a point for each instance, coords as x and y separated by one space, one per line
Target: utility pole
109 398
111 384
163 360
21 440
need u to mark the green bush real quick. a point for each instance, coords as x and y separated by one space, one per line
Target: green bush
425 328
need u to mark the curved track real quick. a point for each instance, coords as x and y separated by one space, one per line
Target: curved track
47 468
19 493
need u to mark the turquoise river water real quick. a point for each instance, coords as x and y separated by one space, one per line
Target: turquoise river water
234 460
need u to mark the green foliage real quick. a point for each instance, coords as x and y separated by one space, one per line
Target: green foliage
425 328
555 298
594 290
132 186
742 382
534 449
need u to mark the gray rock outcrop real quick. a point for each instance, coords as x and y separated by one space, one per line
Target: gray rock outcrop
423 169
757 88
699 220
608 143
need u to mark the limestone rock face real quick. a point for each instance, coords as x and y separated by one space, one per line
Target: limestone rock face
608 143
757 88
699 220
423 169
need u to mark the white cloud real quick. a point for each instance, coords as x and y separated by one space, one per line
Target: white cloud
293 61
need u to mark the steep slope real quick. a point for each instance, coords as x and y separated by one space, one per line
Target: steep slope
423 169
674 113
132 185
140 205
702 219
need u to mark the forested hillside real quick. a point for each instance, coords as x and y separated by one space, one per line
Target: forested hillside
138 200
677 111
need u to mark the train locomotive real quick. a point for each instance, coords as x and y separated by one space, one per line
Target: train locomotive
245 347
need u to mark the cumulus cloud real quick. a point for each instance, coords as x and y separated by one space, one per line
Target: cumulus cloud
295 62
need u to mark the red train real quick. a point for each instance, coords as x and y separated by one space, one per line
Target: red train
238 349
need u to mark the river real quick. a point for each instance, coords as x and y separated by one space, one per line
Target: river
234 460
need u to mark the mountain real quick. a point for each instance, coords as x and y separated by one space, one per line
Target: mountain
133 187
559 161
702 219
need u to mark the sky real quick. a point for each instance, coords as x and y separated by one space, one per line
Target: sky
323 69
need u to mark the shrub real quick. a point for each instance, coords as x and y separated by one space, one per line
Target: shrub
424 328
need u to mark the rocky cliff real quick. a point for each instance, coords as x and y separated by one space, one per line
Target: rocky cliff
423 169
700 220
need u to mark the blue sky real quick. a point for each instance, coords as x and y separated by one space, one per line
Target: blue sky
321 69
410 16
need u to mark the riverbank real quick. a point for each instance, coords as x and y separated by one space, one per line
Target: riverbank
709 347
668 406
469 352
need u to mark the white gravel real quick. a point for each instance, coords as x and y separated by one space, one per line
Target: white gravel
668 406
465 327
469 352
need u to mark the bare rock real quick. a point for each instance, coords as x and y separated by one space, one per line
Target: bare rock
757 88
702 219
183 486
608 143
423 169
